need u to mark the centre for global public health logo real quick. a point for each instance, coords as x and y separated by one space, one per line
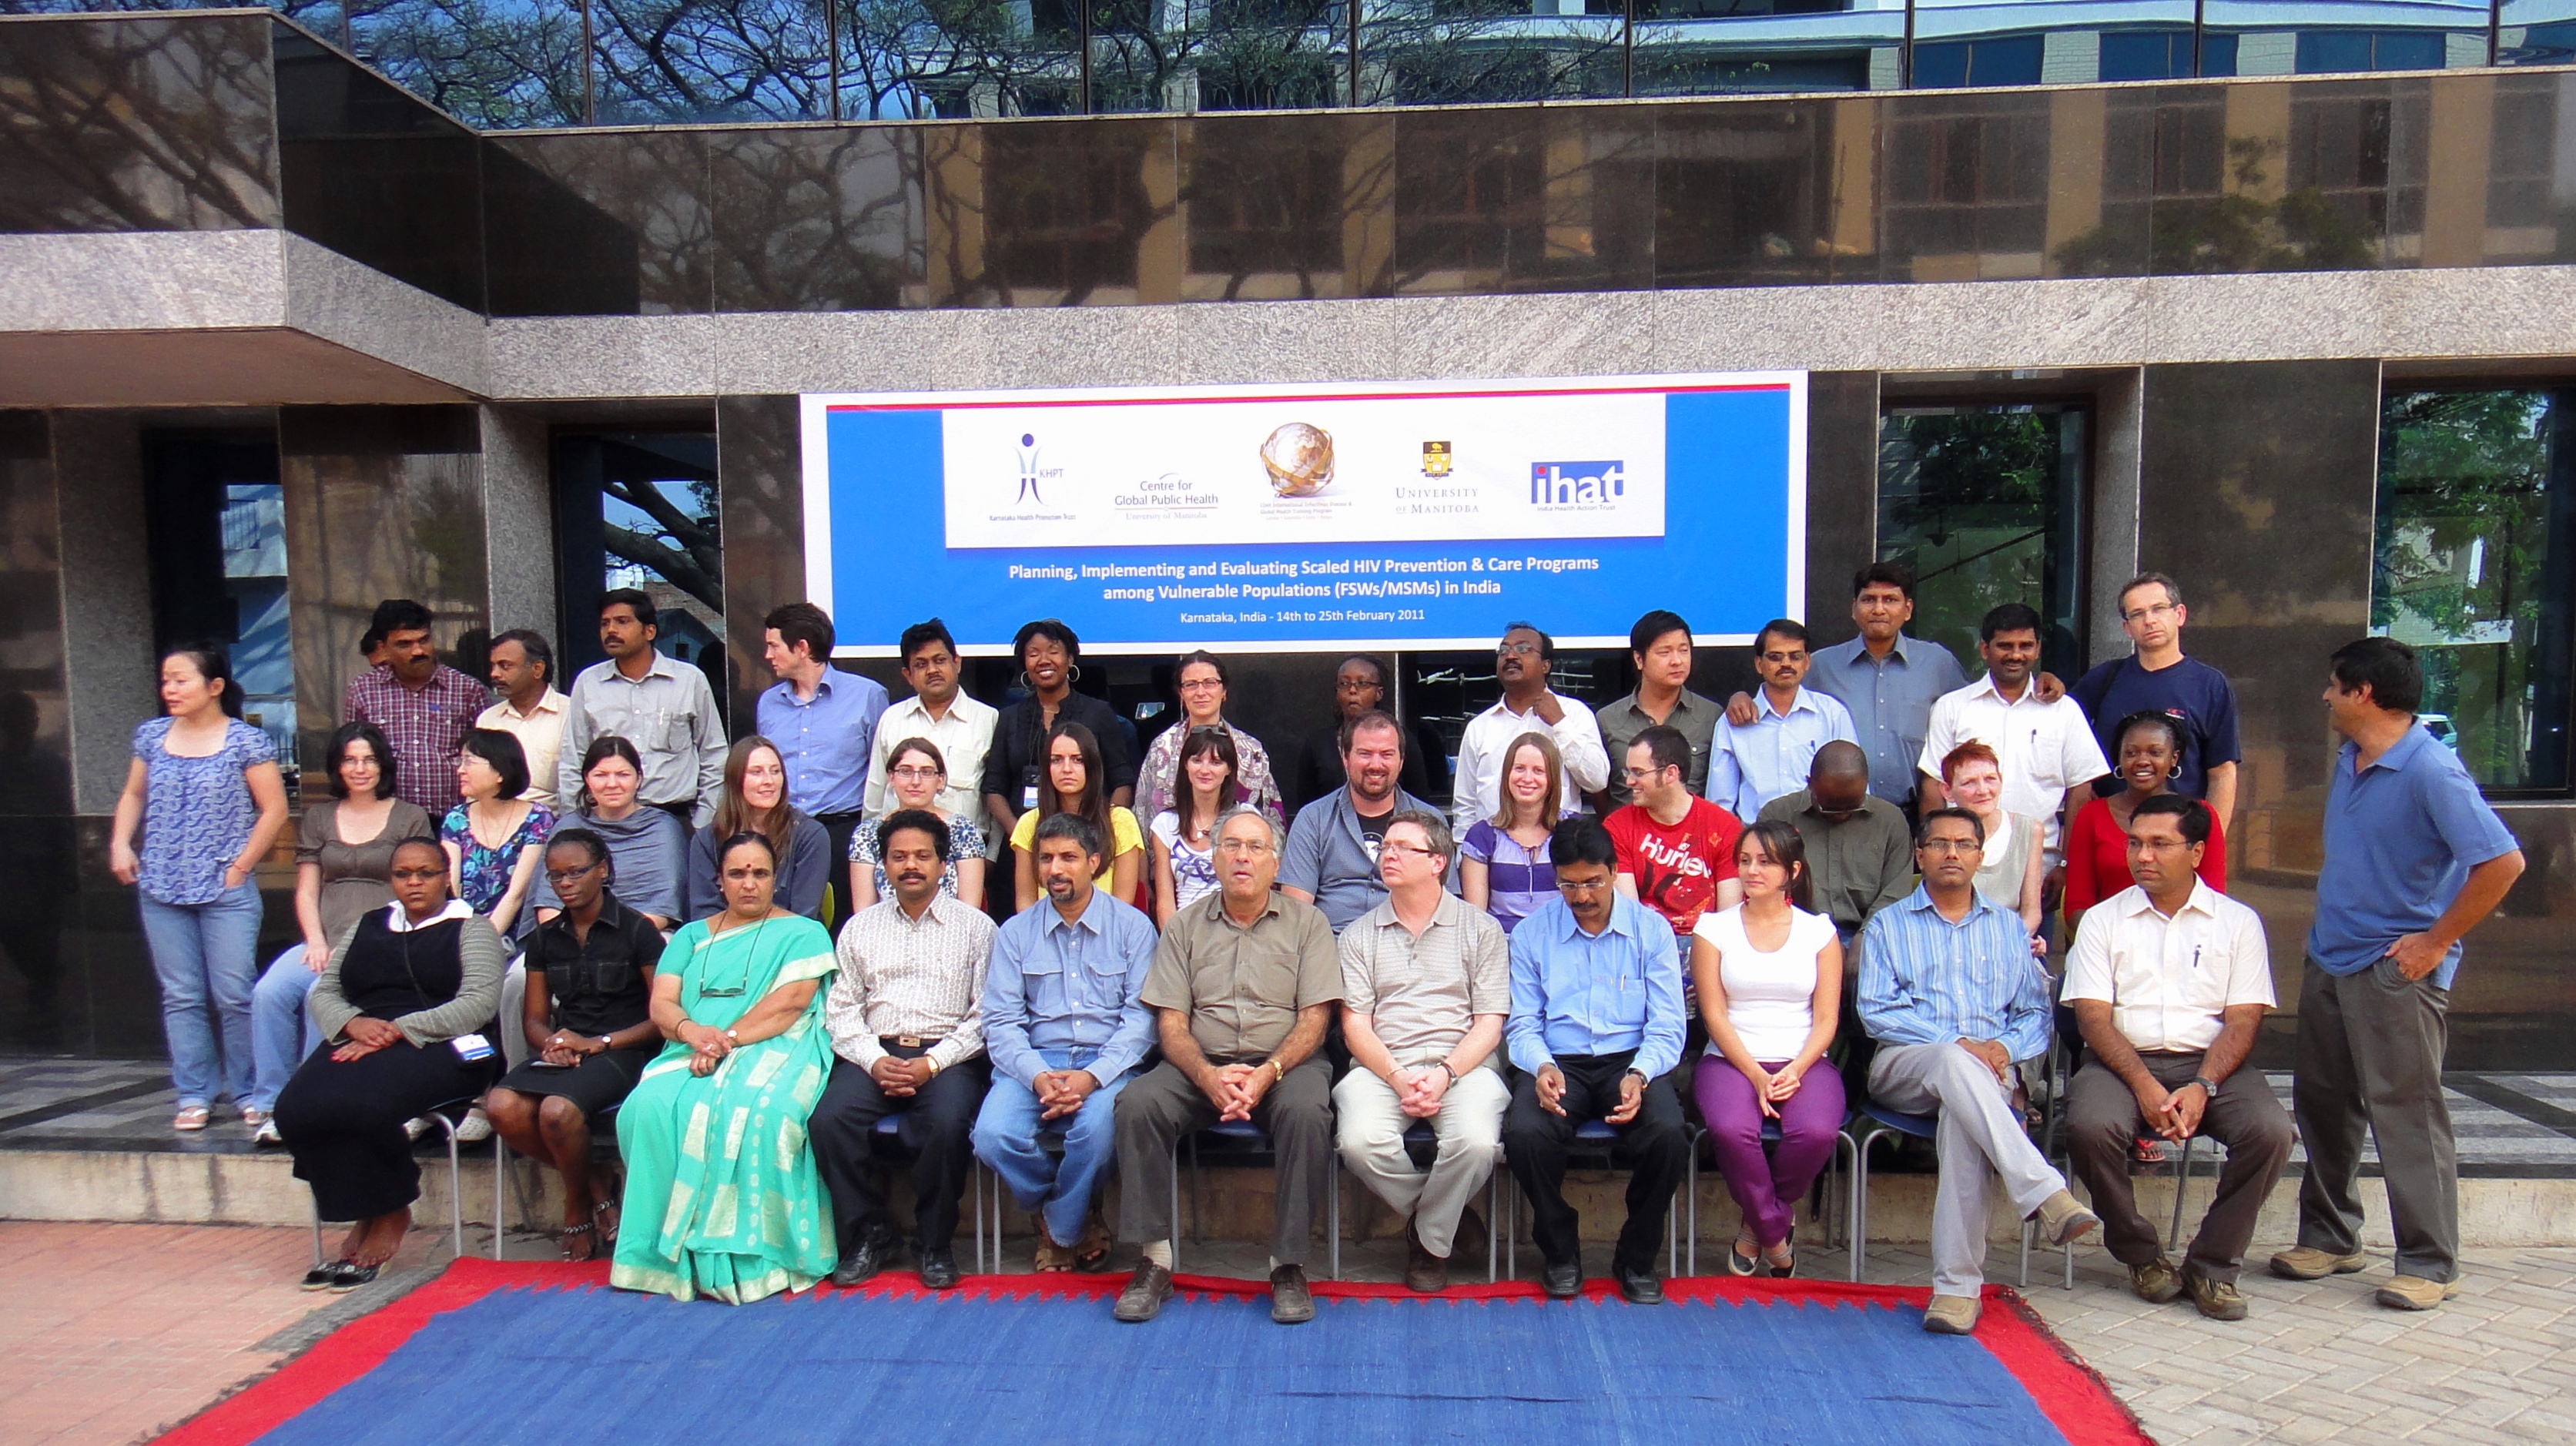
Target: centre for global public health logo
1577 484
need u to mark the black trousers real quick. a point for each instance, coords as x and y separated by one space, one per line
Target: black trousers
343 1122
1652 1146
935 1124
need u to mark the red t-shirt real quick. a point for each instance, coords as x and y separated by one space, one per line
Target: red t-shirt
1677 869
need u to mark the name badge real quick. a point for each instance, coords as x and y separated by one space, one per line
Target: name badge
1028 789
472 1046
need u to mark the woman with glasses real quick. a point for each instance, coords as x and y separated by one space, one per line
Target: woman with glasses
1200 679
755 801
588 1023
495 838
399 1006
736 1213
344 857
916 772
1075 783
1185 834
647 845
1503 864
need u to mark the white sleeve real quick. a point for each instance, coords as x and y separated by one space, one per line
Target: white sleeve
1465 805
1578 742
2249 961
2088 964
2080 759
1937 742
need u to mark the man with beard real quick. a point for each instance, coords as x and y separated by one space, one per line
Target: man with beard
1522 662
1066 1025
1676 851
1331 861
905 1013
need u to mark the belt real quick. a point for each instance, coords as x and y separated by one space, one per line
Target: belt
907 1041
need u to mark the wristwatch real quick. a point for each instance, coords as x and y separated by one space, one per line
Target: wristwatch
2207 1085
607 1042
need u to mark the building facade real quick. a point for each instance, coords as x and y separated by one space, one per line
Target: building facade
278 339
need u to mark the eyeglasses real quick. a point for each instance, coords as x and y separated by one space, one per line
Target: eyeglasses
1583 886
1948 846
1799 656
916 775
1201 685
1515 650
2151 610
561 877
1245 846
417 876
1645 775
1417 850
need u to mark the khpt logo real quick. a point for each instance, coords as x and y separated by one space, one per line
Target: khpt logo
1568 484
1031 473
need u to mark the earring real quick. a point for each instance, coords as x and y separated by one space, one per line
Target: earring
1024 685
1073 673
2174 772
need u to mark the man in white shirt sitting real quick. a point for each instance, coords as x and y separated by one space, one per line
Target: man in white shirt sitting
1522 661
2169 981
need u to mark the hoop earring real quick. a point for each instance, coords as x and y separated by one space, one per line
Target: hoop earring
1073 673
1023 683
2173 772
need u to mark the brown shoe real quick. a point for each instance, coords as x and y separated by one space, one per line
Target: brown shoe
2306 1262
1423 1271
1052 1259
2414 1292
1091 1253
1146 1291
2157 1281
2064 1220
2217 1299
1952 1315
1290 1302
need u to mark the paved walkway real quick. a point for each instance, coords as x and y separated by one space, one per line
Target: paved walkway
115 1332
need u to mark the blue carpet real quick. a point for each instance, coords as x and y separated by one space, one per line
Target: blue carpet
545 1367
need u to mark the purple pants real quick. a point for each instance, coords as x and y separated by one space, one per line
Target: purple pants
1768 1188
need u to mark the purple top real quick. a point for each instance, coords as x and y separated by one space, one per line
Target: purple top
1517 879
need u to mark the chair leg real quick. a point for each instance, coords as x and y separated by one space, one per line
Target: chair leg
1494 1225
2029 1230
455 1188
316 1207
1175 1242
500 1191
1333 1222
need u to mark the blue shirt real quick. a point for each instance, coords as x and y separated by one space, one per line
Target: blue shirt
2195 695
198 813
1890 702
1925 980
2401 837
1076 986
1593 994
825 740
1768 757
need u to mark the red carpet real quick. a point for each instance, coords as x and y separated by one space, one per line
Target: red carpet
2063 1391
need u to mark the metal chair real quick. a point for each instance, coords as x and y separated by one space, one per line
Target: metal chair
440 1112
1770 1137
1599 1136
1874 1122
1417 1137
1256 1141
981 1178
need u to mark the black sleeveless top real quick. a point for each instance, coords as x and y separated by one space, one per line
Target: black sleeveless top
388 975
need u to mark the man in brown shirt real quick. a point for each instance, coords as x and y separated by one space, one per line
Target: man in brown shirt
1242 987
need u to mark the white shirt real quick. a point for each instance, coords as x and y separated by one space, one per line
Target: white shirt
963 738
540 735
2045 748
1770 998
1490 733
2169 981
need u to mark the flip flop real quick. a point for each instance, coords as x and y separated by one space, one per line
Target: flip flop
191 1117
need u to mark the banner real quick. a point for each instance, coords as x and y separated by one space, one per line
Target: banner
1308 518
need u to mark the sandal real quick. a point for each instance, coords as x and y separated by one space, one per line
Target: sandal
599 1216
1741 1261
569 1233
191 1117
1783 1266
1092 1255
1052 1259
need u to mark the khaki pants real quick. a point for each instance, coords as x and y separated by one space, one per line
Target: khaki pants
1470 1129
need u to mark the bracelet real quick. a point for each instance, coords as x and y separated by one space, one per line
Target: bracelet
1445 1069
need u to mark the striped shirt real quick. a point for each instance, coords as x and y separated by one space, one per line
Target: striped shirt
426 728
900 975
1422 994
1925 980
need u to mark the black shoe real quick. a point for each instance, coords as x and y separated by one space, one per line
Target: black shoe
1290 1302
1562 1282
1778 1271
349 1275
321 1276
1146 1291
939 1268
1739 1263
863 1259
1641 1287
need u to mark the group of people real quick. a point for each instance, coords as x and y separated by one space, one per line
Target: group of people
536 910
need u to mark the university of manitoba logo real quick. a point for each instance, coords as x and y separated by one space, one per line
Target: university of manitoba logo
1435 459
1577 484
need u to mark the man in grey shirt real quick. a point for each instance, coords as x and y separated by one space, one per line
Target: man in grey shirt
662 707
1331 860
1860 857
1661 645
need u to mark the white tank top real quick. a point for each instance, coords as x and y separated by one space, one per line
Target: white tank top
1770 998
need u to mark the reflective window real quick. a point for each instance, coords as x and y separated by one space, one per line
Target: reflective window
639 510
1985 502
2536 32
2307 37
2474 568
1694 47
216 537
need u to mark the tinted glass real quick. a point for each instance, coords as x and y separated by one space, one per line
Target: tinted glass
817 219
1287 206
1986 504
601 223
377 175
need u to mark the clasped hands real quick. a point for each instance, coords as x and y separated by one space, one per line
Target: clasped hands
1235 1088
902 1078
1419 1090
1772 1088
562 1048
366 1036
707 1047
1060 1092
1551 1094
2173 1114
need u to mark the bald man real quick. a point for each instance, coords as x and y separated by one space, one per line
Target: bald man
1858 850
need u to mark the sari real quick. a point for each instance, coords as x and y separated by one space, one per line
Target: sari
722 1197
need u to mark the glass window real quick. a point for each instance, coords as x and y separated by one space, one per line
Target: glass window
2306 37
2536 32
1699 47
216 539
1451 52
1985 502
639 509
2474 566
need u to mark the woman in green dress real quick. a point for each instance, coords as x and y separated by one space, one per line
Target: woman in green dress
721 1194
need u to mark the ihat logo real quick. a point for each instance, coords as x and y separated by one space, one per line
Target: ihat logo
1576 484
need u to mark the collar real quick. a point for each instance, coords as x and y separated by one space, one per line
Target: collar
1902 650
1503 707
1054 919
1804 702
2400 754
613 915
662 667
400 923
552 702
1624 913
936 913
2134 901
1920 901
1985 687
1443 914
786 689
1214 907
1870 804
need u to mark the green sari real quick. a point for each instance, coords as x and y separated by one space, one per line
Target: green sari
722 1198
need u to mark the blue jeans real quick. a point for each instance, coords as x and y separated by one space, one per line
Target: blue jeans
207 958
281 1033
1006 1138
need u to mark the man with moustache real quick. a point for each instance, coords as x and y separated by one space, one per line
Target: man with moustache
2046 745
906 1018
940 711
1242 988
1331 860
522 667
1522 662
1750 764
1065 1024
